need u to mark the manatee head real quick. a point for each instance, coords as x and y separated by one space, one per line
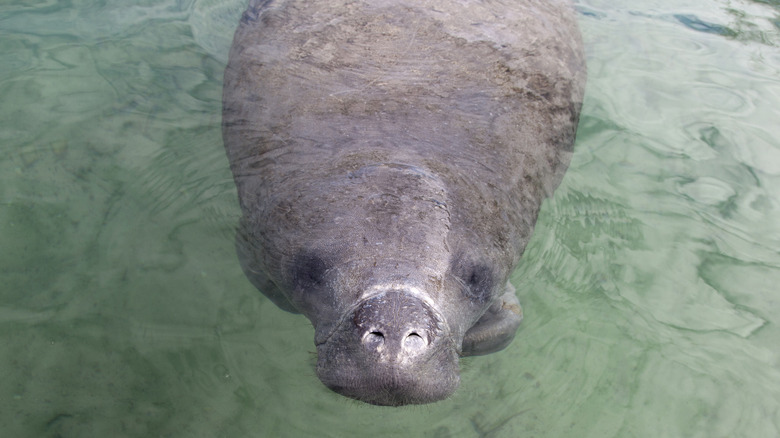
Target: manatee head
376 260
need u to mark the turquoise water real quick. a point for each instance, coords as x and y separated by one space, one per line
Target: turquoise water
650 288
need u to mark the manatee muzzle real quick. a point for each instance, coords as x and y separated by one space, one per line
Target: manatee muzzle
393 349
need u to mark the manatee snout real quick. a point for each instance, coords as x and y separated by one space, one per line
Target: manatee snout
396 327
392 349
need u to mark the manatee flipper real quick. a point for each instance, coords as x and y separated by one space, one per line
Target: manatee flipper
497 327
247 256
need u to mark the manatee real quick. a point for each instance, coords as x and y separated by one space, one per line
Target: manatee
390 158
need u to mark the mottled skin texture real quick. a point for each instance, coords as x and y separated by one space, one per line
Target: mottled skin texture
390 159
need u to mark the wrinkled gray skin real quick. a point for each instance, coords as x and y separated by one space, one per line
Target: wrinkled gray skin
391 157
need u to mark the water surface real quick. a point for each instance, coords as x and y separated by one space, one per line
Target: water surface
650 287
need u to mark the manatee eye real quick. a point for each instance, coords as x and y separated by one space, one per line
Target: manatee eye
307 284
480 283
308 271
477 281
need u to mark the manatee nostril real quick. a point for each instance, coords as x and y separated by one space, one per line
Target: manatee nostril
414 341
395 326
374 339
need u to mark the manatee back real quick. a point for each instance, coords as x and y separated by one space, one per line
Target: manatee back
484 94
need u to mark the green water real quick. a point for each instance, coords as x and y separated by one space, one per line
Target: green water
650 289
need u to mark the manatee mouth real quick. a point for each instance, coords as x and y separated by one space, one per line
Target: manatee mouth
393 349
385 386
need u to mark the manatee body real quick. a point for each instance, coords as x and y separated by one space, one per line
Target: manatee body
391 157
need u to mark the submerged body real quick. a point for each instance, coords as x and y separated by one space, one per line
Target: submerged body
391 158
